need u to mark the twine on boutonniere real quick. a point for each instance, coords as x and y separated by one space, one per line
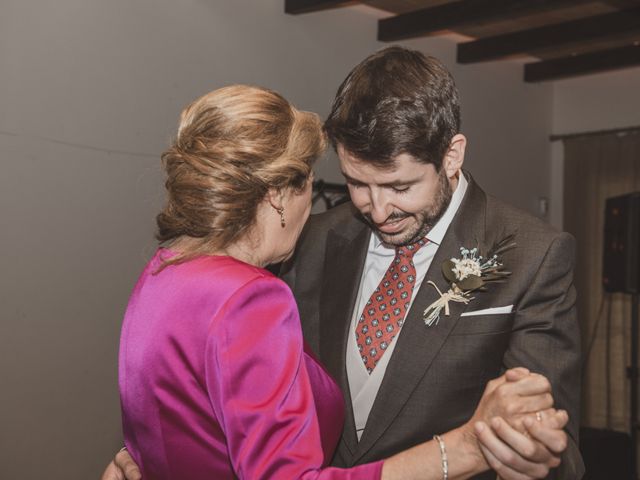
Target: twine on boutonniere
467 274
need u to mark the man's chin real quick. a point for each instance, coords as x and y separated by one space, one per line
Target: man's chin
411 233
395 239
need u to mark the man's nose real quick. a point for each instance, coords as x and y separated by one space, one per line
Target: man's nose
380 207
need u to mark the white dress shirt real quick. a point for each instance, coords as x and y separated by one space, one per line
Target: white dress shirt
364 387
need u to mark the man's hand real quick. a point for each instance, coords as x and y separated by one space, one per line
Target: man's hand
512 396
526 442
122 467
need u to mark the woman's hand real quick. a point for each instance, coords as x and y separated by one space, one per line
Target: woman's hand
513 395
122 467
528 454
518 433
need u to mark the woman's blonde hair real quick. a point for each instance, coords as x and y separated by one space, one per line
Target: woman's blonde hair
233 145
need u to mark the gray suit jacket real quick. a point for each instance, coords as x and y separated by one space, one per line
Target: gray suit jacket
437 374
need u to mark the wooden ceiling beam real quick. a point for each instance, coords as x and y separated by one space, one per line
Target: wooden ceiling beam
605 60
557 35
461 13
307 6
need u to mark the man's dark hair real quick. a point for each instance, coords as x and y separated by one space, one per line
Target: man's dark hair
396 101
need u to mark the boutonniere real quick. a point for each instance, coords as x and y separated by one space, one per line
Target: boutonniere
467 274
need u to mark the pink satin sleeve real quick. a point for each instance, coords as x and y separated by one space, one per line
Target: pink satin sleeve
260 388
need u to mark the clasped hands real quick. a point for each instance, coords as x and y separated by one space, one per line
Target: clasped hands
519 434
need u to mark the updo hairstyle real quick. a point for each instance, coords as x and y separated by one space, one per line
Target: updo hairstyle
232 146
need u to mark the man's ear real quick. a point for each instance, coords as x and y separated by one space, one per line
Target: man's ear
454 158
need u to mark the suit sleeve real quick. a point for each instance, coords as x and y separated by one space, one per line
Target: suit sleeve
547 340
260 389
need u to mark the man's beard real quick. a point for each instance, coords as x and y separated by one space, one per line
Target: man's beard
425 220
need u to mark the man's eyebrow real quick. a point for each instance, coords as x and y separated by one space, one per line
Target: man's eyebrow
396 183
400 183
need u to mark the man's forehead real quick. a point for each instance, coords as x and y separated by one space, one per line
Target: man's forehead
402 165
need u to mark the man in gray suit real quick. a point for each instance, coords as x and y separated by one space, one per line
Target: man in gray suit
395 126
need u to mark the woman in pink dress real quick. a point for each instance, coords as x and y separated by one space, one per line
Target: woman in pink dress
216 381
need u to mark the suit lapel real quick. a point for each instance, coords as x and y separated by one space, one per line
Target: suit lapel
341 279
418 344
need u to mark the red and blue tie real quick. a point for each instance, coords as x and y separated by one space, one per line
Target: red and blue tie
384 313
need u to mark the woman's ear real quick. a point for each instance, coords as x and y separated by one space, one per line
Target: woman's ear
454 158
275 197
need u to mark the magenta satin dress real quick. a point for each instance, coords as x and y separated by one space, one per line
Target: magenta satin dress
217 383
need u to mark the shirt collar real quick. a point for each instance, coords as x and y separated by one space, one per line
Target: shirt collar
436 234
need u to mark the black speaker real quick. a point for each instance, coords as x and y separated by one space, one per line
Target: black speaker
621 259
607 454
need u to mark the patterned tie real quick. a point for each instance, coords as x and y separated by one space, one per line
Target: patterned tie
384 313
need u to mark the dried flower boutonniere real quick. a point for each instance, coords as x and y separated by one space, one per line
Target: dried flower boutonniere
467 274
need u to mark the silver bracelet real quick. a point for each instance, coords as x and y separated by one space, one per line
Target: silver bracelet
443 455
